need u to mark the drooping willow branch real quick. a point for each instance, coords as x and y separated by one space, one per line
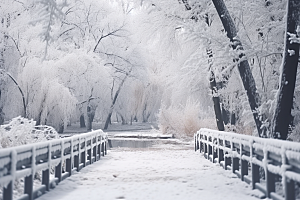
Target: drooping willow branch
3 72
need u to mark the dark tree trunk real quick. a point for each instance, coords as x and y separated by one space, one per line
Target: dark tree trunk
282 117
146 114
243 66
61 128
91 115
216 101
82 122
214 91
225 115
108 119
232 119
123 120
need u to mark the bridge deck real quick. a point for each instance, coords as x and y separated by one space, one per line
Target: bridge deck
161 172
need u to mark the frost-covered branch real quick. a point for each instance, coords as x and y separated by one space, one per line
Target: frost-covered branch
14 41
113 33
3 72
49 12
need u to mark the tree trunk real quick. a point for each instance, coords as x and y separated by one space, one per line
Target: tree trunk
91 115
214 91
123 120
61 128
282 116
108 119
216 101
225 115
243 66
82 122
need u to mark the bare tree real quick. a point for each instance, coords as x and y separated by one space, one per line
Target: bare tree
242 63
212 78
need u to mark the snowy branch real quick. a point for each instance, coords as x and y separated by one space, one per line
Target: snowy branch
113 33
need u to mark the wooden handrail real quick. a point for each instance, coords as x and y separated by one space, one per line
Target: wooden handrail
66 155
235 152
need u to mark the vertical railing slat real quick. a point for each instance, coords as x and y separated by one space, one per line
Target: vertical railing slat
28 186
289 189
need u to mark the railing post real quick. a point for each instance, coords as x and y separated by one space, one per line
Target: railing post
205 145
244 163
46 178
227 161
58 171
69 166
213 149
270 182
76 161
255 175
28 181
209 150
102 148
28 186
105 151
95 148
83 154
220 155
58 168
95 152
46 173
8 191
89 152
270 177
201 144
69 161
244 169
195 141
289 189
99 148
235 164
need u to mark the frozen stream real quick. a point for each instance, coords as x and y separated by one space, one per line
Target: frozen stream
163 172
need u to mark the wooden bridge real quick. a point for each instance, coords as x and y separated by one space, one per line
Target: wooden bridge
271 166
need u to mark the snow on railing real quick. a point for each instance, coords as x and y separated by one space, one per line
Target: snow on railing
65 155
243 154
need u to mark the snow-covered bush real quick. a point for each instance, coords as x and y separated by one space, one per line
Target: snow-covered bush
22 131
183 121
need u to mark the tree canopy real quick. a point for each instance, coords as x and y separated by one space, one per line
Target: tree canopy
143 60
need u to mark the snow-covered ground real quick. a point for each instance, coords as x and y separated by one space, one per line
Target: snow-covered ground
165 171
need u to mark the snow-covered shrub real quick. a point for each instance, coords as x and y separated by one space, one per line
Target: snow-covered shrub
295 135
183 121
22 131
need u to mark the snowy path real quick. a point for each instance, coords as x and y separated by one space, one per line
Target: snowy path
164 172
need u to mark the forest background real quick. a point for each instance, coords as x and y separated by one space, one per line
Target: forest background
103 61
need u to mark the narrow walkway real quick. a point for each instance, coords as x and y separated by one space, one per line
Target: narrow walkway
163 172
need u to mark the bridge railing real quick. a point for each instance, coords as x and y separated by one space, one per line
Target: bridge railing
65 155
249 157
